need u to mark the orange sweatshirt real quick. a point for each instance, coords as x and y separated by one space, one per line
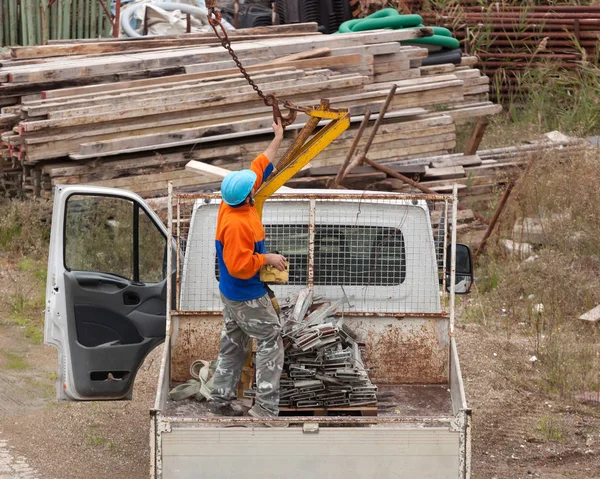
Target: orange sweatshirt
240 243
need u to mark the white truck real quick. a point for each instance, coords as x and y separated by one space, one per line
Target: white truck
110 301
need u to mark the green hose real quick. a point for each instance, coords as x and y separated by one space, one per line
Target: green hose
439 40
390 18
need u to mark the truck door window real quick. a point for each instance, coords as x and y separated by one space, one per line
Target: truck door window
152 248
112 235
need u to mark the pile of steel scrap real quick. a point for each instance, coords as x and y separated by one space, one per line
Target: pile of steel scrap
323 365
511 39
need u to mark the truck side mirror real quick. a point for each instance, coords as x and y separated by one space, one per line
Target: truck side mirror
464 269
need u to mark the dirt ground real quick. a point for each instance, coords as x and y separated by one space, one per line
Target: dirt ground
517 433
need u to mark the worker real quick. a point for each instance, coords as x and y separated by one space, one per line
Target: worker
247 308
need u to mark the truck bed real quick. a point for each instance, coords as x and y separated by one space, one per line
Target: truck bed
400 400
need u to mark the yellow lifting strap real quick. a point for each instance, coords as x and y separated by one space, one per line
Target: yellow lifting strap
303 150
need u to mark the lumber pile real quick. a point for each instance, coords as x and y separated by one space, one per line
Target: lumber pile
131 114
479 177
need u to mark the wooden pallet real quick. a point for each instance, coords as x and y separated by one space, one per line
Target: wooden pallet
331 411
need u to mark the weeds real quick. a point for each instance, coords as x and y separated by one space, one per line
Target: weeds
551 429
15 361
99 441
25 228
25 300
541 297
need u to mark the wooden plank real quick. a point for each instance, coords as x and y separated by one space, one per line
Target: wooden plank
318 52
209 171
234 85
194 134
53 50
387 133
445 172
592 315
473 160
187 101
114 64
166 80
132 113
476 136
296 28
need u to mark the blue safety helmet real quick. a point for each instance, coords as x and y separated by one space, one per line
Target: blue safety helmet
237 185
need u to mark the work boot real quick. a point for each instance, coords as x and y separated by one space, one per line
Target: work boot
260 413
218 410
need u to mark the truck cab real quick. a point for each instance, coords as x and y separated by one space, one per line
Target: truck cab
120 283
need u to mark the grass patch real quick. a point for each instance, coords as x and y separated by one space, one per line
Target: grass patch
24 304
15 361
99 441
551 429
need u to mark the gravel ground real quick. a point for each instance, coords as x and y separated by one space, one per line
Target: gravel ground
40 438
69 440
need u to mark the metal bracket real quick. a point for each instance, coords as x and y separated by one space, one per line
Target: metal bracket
163 426
310 428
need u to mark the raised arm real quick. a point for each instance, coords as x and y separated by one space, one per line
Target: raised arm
262 165
271 150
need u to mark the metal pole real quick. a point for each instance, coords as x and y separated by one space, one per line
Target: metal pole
236 12
492 224
361 129
311 243
117 19
445 247
177 274
378 122
417 185
453 257
361 158
169 248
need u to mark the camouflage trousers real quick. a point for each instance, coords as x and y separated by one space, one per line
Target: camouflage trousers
244 320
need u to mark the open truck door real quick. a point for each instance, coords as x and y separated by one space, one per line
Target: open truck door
106 290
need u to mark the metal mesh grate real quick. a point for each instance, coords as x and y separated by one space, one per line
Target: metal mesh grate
378 250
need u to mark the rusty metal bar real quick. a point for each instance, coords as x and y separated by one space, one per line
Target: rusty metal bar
492 224
332 195
145 23
357 314
313 419
312 213
444 265
169 253
453 260
106 10
378 122
117 19
417 185
361 129
476 136
188 23
178 268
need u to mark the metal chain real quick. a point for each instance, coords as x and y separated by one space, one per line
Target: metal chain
215 22
214 18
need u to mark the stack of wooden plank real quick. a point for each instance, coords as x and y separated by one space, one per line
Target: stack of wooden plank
130 114
478 176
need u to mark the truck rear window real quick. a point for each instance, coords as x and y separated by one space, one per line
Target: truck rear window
344 255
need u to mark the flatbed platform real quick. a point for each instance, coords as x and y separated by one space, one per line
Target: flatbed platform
398 400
